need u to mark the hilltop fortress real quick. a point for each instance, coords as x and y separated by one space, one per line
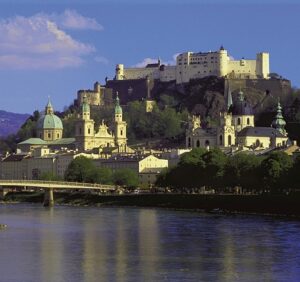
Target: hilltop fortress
191 65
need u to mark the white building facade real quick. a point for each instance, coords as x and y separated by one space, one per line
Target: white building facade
191 65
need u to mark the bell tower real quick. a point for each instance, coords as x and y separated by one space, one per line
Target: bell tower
120 125
84 128
226 132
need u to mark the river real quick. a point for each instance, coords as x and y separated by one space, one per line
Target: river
141 244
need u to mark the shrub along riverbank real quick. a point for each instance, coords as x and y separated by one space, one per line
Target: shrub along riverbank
277 204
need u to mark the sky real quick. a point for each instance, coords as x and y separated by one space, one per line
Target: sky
55 48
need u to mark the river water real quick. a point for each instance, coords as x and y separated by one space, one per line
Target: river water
141 244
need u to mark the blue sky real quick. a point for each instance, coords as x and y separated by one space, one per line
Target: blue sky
54 48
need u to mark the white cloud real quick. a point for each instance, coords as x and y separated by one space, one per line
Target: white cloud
38 42
72 20
101 60
147 61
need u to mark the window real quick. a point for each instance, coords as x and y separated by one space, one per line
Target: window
248 121
206 143
57 135
49 135
229 140
238 121
221 139
121 132
198 143
189 142
89 131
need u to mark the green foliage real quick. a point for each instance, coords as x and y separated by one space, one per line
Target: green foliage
80 169
216 170
102 175
126 177
243 170
49 176
165 123
275 169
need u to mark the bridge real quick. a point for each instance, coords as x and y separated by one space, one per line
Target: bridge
50 186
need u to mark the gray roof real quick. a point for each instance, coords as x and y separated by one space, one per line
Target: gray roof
260 132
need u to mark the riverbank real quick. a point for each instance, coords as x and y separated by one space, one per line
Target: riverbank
287 205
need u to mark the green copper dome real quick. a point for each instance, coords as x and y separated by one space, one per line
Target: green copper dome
49 120
279 122
118 109
85 105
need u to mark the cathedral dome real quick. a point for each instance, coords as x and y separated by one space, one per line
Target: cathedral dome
49 120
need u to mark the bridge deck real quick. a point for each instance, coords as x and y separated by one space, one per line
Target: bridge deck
54 184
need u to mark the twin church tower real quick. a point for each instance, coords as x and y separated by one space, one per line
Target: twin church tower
87 138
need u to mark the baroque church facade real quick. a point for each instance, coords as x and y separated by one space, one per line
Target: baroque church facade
237 129
88 138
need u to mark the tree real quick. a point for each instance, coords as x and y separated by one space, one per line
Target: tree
50 176
275 169
125 177
80 169
243 170
215 161
102 175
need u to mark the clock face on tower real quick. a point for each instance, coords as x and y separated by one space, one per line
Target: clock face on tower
228 130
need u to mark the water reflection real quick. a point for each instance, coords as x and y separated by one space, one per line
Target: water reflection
126 244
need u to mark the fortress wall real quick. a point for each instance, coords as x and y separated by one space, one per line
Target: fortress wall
277 87
138 73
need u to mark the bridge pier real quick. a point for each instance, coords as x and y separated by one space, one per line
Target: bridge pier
48 198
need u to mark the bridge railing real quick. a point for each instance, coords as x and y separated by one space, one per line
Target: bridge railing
56 183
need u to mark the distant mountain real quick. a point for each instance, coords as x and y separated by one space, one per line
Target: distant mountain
11 122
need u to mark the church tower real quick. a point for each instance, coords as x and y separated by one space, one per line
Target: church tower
279 122
120 126
85 128
225 132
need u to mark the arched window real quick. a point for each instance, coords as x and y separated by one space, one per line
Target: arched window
229 140
206 143
198 143
248 121
57 135
221 139
121 132
238 121
49 135
89 131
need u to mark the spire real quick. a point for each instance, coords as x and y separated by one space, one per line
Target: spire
85 105
49 109
279 122
229 98
118 109
241 95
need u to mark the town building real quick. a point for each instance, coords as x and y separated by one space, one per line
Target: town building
191 65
